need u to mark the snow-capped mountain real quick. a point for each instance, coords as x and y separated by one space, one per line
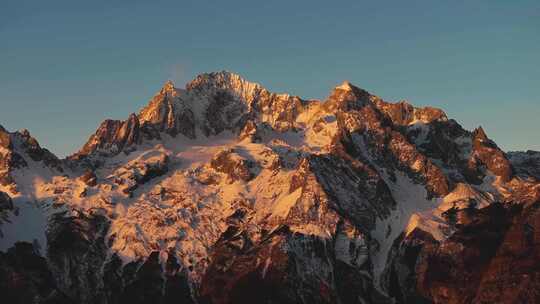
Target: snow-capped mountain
224 192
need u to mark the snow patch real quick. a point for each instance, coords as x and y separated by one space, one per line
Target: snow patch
283 206
411 199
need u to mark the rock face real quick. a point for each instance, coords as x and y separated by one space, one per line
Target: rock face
526 164
224 192
486 155
496 247
6 205
233 165
19 151
89 178
113 136
25 277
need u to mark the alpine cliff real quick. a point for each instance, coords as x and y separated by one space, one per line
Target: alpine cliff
224 192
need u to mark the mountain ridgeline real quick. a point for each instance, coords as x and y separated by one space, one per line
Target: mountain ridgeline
224 192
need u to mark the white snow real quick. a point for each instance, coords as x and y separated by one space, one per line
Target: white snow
283 206
410 199
33 204
346 86
29 225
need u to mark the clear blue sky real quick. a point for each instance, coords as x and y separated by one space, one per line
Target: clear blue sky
67 65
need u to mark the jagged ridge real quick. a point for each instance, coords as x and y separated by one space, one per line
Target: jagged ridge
224 192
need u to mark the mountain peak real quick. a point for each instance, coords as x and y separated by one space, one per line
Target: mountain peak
168 86
225 80
345 85
225 181
480 134
168 89
214 77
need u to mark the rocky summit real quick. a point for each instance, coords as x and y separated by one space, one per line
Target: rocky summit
224 192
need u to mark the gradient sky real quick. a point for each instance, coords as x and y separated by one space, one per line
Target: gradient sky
67 65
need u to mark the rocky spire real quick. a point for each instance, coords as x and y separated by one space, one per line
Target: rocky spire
168 88
347 96
480 134
487 153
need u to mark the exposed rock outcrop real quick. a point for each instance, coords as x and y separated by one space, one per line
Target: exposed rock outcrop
526 164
